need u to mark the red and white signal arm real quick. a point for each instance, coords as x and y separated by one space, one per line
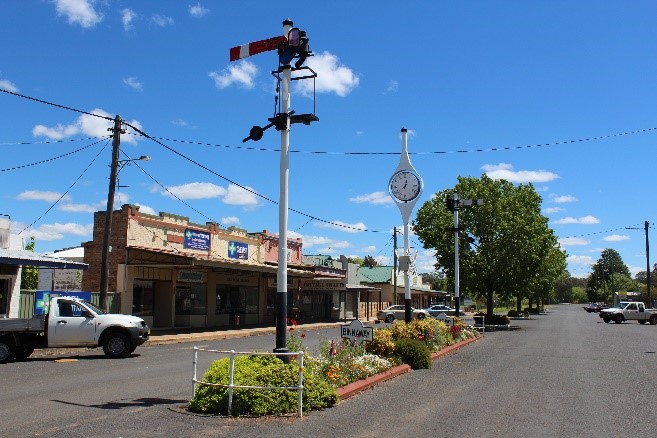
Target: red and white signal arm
255 47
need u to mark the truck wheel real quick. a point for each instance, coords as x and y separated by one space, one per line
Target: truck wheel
618 319
23 353
117 345
7 349
642 321
653 320
389 318
606 320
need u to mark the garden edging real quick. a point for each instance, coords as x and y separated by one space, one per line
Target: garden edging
354 388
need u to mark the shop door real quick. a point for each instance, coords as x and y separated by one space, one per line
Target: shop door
163 304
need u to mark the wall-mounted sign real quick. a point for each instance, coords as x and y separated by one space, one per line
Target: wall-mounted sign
292 283
196 240
356 332
324 284
192 276
238 250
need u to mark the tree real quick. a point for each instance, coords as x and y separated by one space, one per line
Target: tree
369 261
505 246
608 275
565 286
30 274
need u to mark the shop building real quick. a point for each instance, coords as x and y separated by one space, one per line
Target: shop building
383 277
175 273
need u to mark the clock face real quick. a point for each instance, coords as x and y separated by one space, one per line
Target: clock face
405 185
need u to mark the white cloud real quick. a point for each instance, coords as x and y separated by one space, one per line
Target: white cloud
162 20
369 249
376 198
133 83
616 238
579 260
236 195
385 261
198 11
309 241
505 171
83 208
196 190
392 87
55 231
563 199
146 209
7 85
182 123
332 77
79 12
86 124
343 226
573 241
585 220
244 72
230 220
127 17
37 195
551 210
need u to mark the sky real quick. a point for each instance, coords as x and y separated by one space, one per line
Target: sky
557 93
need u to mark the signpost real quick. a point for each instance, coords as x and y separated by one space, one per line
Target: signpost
356 332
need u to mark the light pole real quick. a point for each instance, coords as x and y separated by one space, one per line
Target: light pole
454 204
115 167
646 224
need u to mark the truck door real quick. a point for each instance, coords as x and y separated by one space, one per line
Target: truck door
631 311
68 325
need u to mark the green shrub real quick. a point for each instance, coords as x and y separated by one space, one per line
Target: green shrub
491 319
260 370
413 352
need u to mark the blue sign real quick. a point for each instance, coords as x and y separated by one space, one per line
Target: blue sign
238 250
42 299
196 240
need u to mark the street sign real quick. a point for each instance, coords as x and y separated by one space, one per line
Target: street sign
356 331
255 47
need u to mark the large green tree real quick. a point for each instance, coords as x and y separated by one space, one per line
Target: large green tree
505 245
608 275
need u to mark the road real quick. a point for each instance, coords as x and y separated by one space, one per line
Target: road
562 374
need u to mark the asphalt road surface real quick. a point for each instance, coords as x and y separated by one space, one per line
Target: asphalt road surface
561 374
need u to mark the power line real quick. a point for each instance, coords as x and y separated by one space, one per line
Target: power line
65 140
67 190
56 105
50 159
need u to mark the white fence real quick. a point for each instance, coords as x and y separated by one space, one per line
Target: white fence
231 382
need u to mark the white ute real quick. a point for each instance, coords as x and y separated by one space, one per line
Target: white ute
71 322
628 311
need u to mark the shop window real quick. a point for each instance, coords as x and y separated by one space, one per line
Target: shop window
191 299
142 298
236 299
292 299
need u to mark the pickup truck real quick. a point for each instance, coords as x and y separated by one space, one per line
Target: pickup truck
628 311
71 322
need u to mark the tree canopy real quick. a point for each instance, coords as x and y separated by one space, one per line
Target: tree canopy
30 274
505 245
608 275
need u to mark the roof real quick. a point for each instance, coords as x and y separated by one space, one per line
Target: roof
68 253
376 274
29 258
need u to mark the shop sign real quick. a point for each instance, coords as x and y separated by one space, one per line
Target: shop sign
325 284
196 240
42 298
292 283
356 332
191 276
239 278
238 250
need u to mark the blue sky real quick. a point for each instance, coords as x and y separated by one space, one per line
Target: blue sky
557 93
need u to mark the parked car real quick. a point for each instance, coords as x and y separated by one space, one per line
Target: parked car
628 311
437 309
595 307
398 311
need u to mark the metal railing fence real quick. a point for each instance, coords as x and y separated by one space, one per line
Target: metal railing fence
231 383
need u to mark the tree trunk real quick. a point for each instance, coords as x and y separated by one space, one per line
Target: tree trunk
489 298
519 303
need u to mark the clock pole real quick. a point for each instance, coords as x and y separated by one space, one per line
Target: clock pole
405 188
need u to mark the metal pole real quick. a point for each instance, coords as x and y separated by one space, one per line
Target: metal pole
457 298
281 301
394 264
104 268
407 277
646 224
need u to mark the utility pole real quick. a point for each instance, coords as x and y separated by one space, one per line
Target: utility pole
394 264
646 225
104 268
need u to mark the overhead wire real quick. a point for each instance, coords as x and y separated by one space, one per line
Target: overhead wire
67 190
51 159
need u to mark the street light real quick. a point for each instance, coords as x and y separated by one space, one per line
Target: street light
115 167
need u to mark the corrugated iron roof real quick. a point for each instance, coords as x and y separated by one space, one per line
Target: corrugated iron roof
29 258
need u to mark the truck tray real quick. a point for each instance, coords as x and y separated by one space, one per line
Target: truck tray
21 324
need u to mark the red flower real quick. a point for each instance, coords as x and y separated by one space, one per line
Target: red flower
303 335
